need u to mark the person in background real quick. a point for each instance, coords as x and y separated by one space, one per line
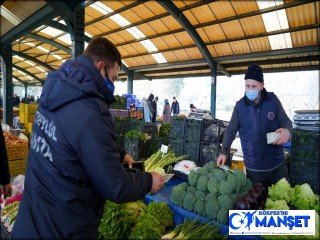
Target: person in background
150 106
74 163
166 112
192 107
4 168
16 100
257 113
146 111
175 108
154 106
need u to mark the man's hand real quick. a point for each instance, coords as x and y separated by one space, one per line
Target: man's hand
157 182
221 160
7 190
283 138
128 160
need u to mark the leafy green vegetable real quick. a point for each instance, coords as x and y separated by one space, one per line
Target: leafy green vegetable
304 198
276 205
280 191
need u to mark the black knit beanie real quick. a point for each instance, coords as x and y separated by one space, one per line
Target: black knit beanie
254 72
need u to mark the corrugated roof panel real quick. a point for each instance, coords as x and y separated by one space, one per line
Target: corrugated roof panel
144 60
23 9
93 31
259 44
105 25
131 62
120 37
5 26
223 49
211 33
201 14
170 56
127 50
305 38
302 15
240 47
193 53
165 42
222 9
181 55
148 29
139 48
212 51
90 14
184 38
241 7
157 25
252 25
232 29
115 5
171 23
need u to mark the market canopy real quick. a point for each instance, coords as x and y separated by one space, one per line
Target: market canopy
165 39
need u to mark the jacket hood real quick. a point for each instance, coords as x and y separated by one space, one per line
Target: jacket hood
74 80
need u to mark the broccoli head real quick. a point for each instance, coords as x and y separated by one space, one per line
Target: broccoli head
193 177
189 201
191 189
199 207
202 183
225 188
210 166
210 175
226 201
223 216
212 207
240 176
199 194
213 186
178 193
231 180
209 196
219 175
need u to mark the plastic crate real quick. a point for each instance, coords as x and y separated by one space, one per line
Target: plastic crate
305 172
192 130
17 166
121 125
311 138
137 148
305 152
177 145
135 124
150 129
177 125
13 151
192 149
213 130
209 151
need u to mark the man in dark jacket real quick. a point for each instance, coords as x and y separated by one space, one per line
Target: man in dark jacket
74 164
259 112
4 168
154 106
175 108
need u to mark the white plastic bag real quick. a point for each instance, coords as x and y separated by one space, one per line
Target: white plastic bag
18 185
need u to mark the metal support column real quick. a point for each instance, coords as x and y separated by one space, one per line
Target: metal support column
6 68
75 23
130 82
25 90
213 91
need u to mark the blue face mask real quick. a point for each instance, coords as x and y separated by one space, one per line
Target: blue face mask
252 95
110 85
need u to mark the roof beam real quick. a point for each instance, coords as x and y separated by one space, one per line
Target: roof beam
28 25
49 41
184 22
28 73
26 56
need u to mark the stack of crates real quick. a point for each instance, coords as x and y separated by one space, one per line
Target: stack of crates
27 113
138 149
192 138
305 158
121 126
212 133
176 139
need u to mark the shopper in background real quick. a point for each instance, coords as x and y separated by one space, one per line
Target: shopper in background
154 106
166 112
192 107
150 106
256 114
74 163
146 111
4 168
175 108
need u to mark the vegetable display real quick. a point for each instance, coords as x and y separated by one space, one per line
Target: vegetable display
135 220
211 191
193 229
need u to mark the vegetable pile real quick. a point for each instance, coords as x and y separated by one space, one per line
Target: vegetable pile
211 191
135 220
193 229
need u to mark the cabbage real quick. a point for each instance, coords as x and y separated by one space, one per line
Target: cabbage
280 191
304 198
276 205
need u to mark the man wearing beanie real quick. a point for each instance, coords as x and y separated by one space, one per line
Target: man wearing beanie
257 113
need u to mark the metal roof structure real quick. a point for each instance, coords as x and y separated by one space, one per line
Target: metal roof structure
166 39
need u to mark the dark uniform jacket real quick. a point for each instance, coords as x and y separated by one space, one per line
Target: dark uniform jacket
74 163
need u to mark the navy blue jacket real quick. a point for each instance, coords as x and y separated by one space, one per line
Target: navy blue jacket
74 164
254 121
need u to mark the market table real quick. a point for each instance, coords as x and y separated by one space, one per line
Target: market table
179 214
